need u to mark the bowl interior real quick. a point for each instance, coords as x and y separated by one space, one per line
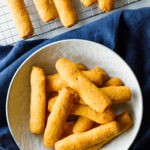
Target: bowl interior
78 51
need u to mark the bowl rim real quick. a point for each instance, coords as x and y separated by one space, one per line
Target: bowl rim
63 41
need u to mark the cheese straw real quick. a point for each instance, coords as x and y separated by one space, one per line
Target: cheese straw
79 82
124 121
67 14
46 10
82 124
87 112
106 5
87 3
117 94
56 83
38 101
113 82
86 139
58 117
21 17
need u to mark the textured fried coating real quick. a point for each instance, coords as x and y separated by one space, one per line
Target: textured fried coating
58 116
38 100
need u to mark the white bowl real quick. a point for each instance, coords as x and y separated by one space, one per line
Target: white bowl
79 51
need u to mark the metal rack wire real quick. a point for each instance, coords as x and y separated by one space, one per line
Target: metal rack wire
8 33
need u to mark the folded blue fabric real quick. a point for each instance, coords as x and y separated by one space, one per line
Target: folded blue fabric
125 32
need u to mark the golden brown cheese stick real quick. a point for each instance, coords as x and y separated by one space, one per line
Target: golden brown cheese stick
87 3
82 124
117 94
58 116
46 10
21 17
87 112
106 5
113 82
56 83
38 101
68 128
67 14
79 82
86 139
124 121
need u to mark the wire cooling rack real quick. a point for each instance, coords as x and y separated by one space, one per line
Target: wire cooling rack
8 33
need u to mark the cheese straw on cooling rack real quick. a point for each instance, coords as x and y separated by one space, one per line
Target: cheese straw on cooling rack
46 10
67 14
38 101
21 18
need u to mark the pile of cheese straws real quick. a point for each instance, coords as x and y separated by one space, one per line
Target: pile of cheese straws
87 94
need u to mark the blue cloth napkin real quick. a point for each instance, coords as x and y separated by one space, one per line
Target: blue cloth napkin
125 32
